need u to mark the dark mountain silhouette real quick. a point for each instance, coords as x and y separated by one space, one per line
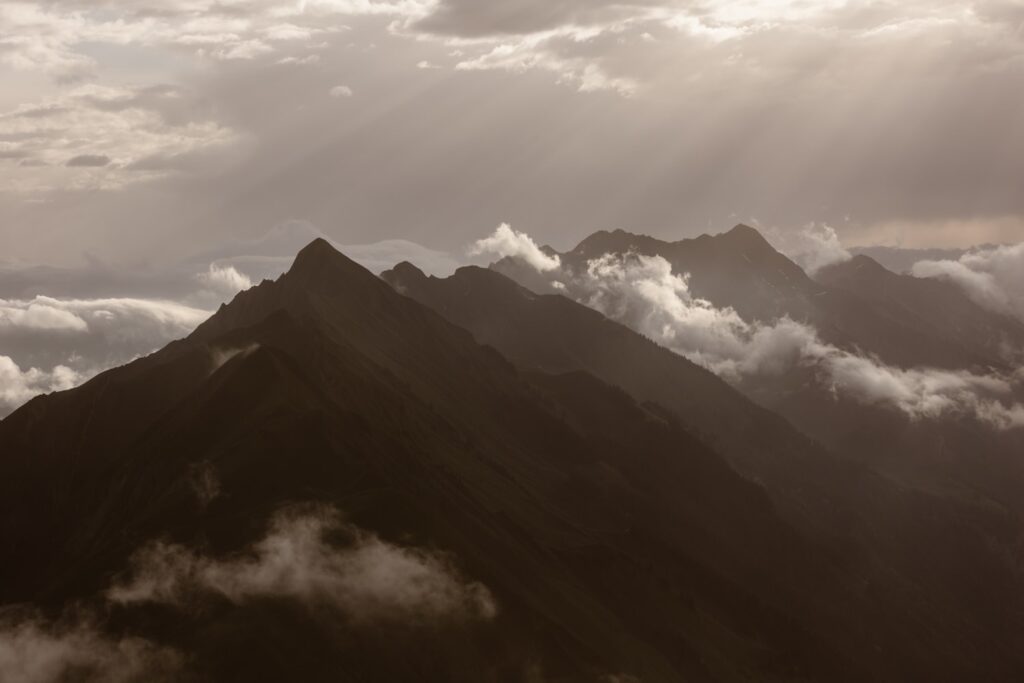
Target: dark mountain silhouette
875 524
860 307
615 542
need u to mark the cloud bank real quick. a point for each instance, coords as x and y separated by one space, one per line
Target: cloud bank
643 293
992 277
364 578
63 342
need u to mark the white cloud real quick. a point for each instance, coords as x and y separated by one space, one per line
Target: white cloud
39 315
224 280
367 579
117 318
50 38
77 338
506 242
643 293
813 247
992 277
18 386
340 91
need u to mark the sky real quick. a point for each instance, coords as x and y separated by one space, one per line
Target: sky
158 155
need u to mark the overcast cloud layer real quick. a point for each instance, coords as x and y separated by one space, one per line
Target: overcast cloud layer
156 157
138 131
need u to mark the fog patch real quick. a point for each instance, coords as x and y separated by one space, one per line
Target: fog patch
204 482
34 650
313 556
220 356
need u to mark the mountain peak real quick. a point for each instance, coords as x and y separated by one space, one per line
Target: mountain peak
744 234
403 276
319 261
317 251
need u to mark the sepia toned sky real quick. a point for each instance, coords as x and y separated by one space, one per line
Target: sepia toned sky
158 156
133 131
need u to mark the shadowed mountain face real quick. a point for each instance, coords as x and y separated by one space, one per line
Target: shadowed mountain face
328 480
874 524
498 525
870 317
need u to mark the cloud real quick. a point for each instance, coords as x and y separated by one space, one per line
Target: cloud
48 36
18 386
506 242
220 356
36 651
813 247
644 293
88 161
272 253
364 578
39 314
134 127
992 277
340 91
66 341
224 280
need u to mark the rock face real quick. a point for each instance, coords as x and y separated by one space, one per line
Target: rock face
484 522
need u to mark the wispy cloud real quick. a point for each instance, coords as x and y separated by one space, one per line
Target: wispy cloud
364 578
33 650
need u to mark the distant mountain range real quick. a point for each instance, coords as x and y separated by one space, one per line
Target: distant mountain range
346 477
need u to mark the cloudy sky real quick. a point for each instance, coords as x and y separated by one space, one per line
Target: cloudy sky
142 141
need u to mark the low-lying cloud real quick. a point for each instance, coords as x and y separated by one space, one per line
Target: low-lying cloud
17 386
813 247
51 343
993 276
224 280
34 650
643 293
312 556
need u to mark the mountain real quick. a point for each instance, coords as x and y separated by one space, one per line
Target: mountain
877 525
329 480
938 308
891 323
740 269
901 260
488 523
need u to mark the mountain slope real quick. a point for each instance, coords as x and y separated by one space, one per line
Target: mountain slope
740 269
613 541
878 527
